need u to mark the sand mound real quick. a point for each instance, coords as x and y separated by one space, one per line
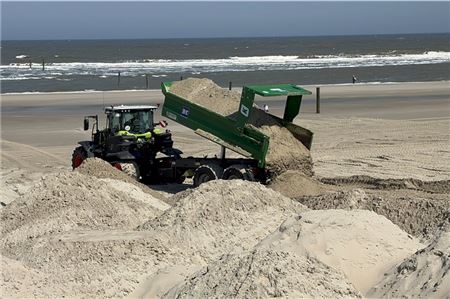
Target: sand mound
220 216
266 274
137 193
416 215
103 170
204 92
18 281
425 274
15 182
295 184
69 201
307 256
285 151
96 263
84 255
361 244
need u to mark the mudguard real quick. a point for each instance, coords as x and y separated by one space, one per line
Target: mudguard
88 146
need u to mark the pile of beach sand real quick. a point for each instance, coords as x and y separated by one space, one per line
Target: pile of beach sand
84 235
285 151
425 274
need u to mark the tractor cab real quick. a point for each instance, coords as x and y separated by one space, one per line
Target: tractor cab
134 121
135 124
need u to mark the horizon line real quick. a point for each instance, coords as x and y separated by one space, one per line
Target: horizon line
225 37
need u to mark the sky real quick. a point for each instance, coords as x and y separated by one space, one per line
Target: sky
132 20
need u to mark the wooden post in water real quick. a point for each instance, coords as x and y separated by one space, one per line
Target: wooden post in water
317 99
146 81
43 64
118 79
30 63
229 86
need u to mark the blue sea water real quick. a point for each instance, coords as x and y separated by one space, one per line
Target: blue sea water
72 65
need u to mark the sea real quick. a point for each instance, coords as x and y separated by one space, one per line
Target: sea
80 65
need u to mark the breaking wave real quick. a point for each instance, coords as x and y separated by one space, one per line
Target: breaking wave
162 67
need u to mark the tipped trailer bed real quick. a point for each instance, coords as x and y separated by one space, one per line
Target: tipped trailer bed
234 133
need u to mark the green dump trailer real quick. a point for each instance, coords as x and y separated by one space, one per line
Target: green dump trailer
233 132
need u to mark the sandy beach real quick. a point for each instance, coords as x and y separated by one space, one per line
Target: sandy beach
385 130
378 196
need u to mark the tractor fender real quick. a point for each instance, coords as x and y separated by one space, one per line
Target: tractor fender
88 146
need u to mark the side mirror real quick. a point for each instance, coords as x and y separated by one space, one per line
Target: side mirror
86 124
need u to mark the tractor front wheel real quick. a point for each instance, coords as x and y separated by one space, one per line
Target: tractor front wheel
131 169
78 156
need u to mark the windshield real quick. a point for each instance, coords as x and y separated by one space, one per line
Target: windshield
135 122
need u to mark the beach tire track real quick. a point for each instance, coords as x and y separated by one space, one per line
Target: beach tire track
11 151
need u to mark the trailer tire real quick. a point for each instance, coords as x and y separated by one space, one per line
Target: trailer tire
206 173
238 172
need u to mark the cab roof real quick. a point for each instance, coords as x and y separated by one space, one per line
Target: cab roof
130 107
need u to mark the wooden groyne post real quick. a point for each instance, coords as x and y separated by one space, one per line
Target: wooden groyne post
146 81
118 79
230 85
317 99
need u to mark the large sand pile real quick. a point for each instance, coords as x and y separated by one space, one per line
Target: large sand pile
425 274
68 201
21 281
307 256
361 244
415 212
221 216
93 263
90 248
75 235
103 170
285 151
265 273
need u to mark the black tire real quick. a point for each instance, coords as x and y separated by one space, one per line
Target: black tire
238 172
131 169
206 173
78 156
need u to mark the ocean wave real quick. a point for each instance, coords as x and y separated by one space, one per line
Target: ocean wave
162 67
22 56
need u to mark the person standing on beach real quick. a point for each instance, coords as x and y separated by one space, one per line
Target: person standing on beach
354 79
